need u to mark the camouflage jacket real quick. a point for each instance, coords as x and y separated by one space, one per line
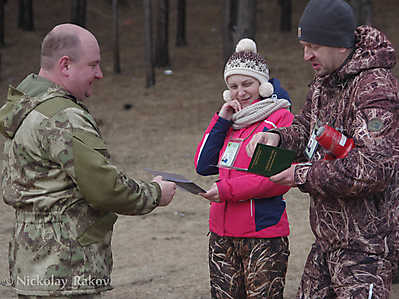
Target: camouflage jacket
58 177
354 200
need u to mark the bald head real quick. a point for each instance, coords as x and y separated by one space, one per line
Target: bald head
63 40
71 59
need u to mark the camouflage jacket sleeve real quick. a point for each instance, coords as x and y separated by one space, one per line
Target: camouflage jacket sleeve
370 117
73 142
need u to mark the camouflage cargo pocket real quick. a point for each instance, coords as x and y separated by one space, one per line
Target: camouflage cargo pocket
92 141
97 232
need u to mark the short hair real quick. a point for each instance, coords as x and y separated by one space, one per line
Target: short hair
58 44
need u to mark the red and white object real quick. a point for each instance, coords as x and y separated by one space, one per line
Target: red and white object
336 143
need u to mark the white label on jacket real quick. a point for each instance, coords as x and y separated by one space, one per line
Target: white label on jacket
342 141
312 145
230 154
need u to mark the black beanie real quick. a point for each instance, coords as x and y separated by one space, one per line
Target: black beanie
328 23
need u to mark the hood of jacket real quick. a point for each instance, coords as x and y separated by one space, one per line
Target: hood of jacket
30 93
372 50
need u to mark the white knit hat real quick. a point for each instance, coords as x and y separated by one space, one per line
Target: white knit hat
246 61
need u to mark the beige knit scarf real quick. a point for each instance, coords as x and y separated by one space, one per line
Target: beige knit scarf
258 111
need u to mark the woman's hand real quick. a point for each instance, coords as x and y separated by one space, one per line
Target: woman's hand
212 194
229 108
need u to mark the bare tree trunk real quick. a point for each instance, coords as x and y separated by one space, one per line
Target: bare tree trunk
115 25
78 12
150 74
25 15
2 23
363 11
162 38
21 12
229 26
246 21
181 40
285 15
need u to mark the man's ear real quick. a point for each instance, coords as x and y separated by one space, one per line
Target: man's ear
64 65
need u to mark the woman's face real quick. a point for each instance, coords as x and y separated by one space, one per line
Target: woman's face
244 89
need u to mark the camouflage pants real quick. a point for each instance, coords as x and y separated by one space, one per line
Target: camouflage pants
345 274
247 268
95 296
395 259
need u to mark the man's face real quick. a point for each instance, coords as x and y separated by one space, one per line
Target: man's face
324 60
85 71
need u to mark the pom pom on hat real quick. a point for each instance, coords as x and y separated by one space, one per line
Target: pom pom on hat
246 45
266 89
246 61
227 95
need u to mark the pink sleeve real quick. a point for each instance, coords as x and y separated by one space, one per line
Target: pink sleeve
247 187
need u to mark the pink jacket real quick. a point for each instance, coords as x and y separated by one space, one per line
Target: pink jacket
252 206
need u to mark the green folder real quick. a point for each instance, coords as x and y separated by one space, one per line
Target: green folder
270 160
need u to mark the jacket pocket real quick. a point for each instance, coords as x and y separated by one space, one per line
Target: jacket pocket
238 219
92 141
97 231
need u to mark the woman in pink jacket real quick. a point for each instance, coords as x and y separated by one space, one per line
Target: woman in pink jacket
248 245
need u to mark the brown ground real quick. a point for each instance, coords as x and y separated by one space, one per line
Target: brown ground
164 254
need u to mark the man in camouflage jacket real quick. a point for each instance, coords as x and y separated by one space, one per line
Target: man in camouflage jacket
354 205
58 177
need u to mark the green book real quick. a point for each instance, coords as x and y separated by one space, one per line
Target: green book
270 160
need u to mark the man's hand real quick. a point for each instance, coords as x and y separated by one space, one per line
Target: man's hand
212 194
168 190
262 137
285 177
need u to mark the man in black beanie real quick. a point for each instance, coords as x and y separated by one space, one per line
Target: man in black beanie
354 207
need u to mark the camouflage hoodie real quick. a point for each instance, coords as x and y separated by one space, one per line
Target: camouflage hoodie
58 177
354 200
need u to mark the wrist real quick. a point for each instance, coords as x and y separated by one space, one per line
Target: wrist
224 115
158 196
301 173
